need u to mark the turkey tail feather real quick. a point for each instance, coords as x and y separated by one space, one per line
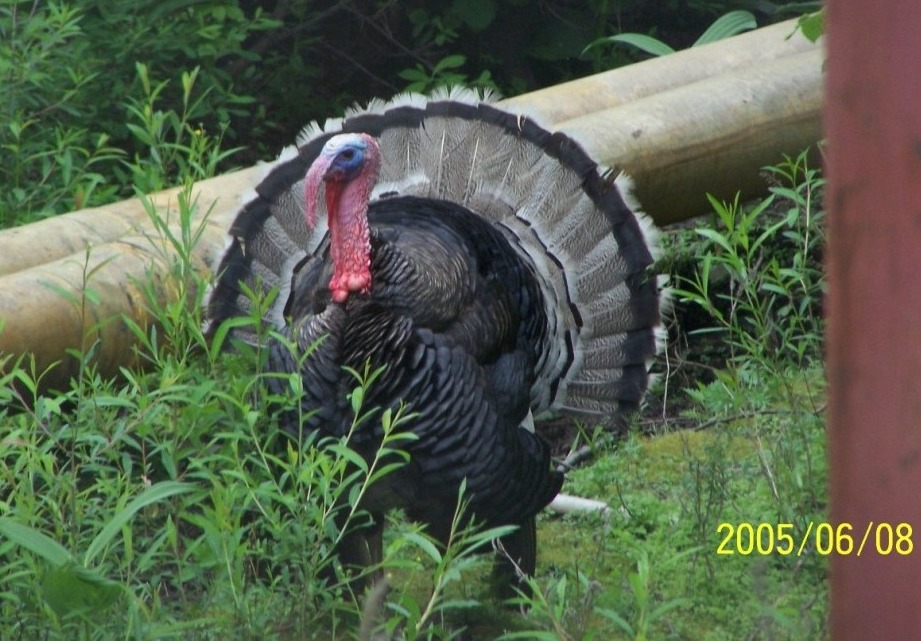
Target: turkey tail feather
569 220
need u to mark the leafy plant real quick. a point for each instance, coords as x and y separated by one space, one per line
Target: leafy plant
728 25
49 165
63 146
464 553
170 147
446 73
773 295
72 588
647 612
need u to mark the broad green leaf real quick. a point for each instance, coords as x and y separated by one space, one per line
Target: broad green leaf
728 25
31 539
449 62
643 42
72 589
153 494
812 25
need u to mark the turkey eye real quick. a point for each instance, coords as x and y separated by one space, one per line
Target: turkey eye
348 154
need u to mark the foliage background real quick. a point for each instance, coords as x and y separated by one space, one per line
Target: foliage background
76 113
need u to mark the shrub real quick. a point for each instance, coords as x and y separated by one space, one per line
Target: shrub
72 89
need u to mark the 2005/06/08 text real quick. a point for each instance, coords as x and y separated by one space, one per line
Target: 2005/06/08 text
844 539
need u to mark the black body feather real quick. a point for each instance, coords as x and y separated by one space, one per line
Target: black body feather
456 320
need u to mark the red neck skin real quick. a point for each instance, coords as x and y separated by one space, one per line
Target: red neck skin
350 237
347 208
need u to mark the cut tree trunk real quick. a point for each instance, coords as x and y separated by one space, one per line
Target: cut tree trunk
623 85
701 120
79 300
50 239
711 136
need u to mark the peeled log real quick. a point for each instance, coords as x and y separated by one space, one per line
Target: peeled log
49 239
53 238
47 312
48 309
712 136
623 85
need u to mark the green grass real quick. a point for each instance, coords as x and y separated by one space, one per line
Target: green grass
670 493
236 554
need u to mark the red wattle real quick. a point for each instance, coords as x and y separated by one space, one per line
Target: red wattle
350 246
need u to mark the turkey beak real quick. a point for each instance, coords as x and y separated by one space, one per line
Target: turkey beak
318 173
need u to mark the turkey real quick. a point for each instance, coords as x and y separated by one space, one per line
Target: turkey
491 270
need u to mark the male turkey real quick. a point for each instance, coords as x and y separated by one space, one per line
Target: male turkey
484 262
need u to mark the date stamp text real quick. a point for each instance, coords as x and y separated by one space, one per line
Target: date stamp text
824 538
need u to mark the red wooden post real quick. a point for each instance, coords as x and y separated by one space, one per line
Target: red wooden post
873 123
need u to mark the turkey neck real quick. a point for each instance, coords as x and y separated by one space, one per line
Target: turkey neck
349 236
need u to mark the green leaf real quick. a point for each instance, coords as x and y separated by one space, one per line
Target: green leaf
153 494
220 335
384 470
31 539
618 620
776 289
449 62
641 41
386 420
660 610
812 25
357 397
72 589
414 75
715 237
728 25
425 544
344 452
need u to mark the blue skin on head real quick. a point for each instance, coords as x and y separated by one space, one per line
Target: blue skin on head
348 157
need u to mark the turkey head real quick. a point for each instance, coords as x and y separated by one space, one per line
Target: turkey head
348 165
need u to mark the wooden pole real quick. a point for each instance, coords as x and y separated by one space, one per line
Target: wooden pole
78 300
51 239
711 136
577 98
873 123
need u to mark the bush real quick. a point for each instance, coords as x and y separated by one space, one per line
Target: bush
759 271
72 90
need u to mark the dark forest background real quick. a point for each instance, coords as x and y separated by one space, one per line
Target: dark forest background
93 89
